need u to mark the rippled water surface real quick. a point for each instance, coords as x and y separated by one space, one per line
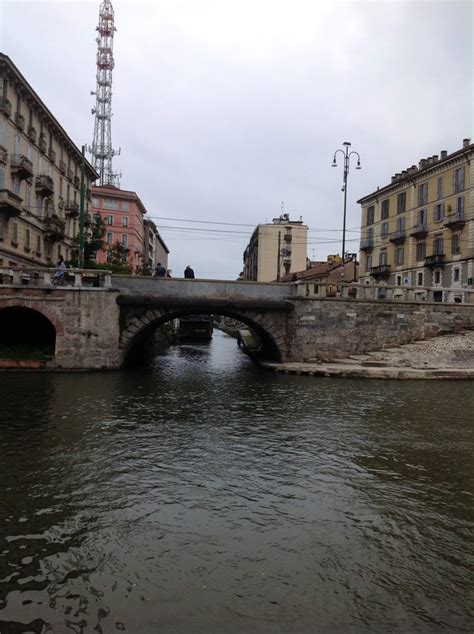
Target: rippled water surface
203 495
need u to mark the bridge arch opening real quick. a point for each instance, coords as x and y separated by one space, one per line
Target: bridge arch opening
137 347
26 333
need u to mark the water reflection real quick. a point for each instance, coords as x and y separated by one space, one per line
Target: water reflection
201 494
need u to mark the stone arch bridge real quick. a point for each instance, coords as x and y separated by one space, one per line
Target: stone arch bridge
99 328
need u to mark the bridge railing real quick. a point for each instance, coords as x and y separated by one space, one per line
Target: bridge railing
51 278
375 292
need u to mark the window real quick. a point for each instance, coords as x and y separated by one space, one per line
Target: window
399 256
384 230
438 212
109 203
385 208
422 194
2 178
124 221
460 206
456 275
124 205
419 279
368 262
124 240
399 280
420 251
38 245
27 195
29 152
16 144
110 237
110 220
456 244
438 246
439 188
15 232
95 201
437 277
16 185
458 180
422 218
370 215
382 258
27 239
401 202
400 225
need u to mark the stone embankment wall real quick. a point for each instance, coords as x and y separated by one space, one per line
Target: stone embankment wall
86 323
327 329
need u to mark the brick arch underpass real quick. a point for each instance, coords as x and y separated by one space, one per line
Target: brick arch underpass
138 322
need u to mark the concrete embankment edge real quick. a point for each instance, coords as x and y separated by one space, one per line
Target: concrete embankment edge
342 371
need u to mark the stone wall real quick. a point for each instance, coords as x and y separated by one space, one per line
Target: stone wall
326 329
86 323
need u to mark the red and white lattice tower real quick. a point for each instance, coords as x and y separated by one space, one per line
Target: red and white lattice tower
101 149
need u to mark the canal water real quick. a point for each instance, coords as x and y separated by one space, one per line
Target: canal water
204 495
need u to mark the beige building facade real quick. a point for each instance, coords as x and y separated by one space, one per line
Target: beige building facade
155 249
276 249
419 230
39 178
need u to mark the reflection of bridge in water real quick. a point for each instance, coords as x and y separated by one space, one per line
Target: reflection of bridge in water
104 320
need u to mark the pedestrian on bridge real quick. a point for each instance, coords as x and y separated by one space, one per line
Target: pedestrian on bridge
160 270
189 273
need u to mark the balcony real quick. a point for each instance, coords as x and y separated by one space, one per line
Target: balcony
31 132
455 221
3 155
367 245
54 228
52 155
62 166
44 185
43 144
72 208
20 121
435 260
381 272
398 237
419 231
5 106
287 237
21 166
10 203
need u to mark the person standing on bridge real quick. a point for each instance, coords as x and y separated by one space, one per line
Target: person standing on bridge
160 270
189 273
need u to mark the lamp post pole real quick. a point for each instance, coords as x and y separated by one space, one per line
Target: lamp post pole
347 156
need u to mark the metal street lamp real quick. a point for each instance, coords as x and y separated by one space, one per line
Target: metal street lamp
346 154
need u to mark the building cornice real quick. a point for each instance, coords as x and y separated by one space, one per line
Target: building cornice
402 183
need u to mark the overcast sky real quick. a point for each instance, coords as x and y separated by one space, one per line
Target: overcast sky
223 109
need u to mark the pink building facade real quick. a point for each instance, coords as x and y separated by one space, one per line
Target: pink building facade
122 212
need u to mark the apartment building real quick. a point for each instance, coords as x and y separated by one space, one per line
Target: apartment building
39 178
419 229
276 249
122 212
155 249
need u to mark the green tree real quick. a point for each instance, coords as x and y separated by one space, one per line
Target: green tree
94 240
117 258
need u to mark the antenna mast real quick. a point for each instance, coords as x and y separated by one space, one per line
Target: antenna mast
101 150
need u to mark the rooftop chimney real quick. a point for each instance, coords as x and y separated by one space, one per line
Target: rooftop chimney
435 158
444 154
422 164
466 142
